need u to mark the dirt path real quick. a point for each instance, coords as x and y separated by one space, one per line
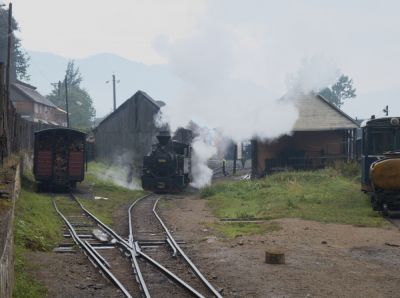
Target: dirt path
70 275
322 260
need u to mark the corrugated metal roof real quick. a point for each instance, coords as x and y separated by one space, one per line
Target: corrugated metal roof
32 94
316 114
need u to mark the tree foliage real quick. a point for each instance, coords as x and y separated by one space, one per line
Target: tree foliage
80 104
20 59
340 91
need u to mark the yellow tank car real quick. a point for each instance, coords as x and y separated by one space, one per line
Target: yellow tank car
385 174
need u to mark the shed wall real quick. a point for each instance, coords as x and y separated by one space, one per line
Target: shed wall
315 148
129 132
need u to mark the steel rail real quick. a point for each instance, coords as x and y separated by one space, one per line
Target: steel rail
153 262
131 239
125 245
186 258
177 279
88 251
100 223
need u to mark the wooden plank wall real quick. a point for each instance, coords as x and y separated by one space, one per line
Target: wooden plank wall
128 133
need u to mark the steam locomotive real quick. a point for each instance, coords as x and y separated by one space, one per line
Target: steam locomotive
381 163
167 168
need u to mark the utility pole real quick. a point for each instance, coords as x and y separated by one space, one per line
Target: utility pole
114 82
234 157
386 111
114 93
66 99
9 47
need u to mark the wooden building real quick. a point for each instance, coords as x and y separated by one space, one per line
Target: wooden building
129 132
321 135
33 106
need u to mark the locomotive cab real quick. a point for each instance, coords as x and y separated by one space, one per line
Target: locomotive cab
381 162
167 167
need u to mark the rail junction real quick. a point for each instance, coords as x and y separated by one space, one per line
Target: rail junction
149 263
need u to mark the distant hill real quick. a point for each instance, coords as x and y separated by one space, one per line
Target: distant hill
156 80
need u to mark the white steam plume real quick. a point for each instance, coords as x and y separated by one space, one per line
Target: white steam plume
202 152
120 172
212 97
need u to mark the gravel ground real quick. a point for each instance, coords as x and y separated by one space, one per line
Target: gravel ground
322 260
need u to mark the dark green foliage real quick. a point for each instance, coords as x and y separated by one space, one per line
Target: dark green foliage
341 90
20 59
80 103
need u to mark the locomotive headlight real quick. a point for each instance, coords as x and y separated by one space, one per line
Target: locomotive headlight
395 121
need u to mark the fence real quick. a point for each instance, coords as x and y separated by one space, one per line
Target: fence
16 133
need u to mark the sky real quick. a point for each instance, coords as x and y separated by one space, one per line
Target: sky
270 39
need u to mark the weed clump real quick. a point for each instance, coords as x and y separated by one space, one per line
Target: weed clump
207 191
349 169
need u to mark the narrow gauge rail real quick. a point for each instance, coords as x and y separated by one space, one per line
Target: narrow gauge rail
109 255
152 240
394 221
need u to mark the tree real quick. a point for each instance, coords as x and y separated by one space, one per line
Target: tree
340 91
80 104
20 59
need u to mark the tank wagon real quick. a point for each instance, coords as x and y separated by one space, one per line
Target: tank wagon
59 157
167 168
380 176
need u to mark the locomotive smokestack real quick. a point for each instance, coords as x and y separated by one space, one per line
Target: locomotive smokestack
164 137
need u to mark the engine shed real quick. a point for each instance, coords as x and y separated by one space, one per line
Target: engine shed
129 132
321 135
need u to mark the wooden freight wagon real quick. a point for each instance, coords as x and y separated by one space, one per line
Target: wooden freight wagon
59 157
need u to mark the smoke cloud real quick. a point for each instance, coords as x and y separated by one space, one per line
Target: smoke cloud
202 152
212 96
120 172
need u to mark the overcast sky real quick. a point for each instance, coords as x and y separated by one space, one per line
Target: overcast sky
271 37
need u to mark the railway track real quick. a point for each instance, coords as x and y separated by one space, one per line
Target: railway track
149 234
150 263
103 247
394 220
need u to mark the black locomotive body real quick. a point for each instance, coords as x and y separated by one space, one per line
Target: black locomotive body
381 162
167 168
59 157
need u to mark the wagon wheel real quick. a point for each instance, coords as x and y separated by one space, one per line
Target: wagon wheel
374 202
385 210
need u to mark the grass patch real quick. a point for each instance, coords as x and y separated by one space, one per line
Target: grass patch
25 285
236 229
324 195
117 195
37 228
